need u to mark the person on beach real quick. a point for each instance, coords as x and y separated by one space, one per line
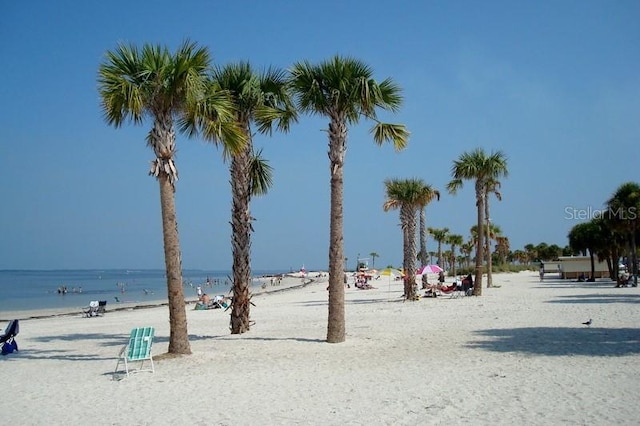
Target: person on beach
199 291
441 277
541 272
425 281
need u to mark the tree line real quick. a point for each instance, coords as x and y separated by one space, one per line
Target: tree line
612 233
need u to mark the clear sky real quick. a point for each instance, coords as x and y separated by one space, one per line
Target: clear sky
554 84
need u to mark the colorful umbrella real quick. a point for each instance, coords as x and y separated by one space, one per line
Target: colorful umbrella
429 269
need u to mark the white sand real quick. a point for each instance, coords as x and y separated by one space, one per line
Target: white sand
517 355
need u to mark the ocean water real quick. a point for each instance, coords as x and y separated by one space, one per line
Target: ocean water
22 290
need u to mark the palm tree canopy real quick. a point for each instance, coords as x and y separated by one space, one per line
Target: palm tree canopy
135 83
343 88
439 234
624 204
477 165
262 97
401 192
149 82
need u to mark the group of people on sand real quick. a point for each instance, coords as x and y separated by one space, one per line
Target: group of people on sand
206 302
625 280
362 283
463 285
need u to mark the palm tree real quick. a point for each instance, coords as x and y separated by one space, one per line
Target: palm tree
135 84
343 90
263 99
454 240
422 255
520 256
624 213
492 231
483 169
492 187
467 248
440 235
530 250
502 248
408 195
585 237
373 259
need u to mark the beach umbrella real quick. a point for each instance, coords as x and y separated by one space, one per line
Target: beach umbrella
429 269
391 272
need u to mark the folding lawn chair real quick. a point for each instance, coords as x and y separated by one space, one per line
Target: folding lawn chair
138 349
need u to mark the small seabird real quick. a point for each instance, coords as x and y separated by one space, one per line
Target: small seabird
588 323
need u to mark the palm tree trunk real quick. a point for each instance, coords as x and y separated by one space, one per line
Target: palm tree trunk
488 243
178 336
423 236
241 237
453 263
477 285
408 220
337 147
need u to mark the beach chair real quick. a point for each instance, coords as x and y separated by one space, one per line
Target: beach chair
102 307
92 309
8 338
138 349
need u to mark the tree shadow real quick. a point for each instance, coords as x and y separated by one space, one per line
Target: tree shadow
105 339
265 339
561 341
560 283
597 298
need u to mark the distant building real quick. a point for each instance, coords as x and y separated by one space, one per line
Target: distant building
551 267
571 267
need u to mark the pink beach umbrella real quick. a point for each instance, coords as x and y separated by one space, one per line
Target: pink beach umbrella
429 269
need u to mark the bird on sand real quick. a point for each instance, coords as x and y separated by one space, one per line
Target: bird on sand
588 323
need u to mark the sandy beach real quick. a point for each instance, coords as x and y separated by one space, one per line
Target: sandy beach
517 355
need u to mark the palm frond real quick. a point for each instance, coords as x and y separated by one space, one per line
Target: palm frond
261 175
394 133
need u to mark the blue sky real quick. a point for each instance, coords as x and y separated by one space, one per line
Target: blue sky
554 84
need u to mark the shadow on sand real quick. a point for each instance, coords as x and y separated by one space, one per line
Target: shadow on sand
560 341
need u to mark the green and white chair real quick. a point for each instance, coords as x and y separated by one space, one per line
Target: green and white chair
138 349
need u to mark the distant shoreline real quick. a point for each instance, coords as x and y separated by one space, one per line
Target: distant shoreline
289 282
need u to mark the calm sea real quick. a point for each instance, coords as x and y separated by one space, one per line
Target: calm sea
37 290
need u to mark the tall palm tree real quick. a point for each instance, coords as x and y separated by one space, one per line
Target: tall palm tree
483 169
373 255
454 240
466 249
586 237
151 83
343 90
492 231
423 254
407 195
440 235
492 187
261 99
503 248
624 213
